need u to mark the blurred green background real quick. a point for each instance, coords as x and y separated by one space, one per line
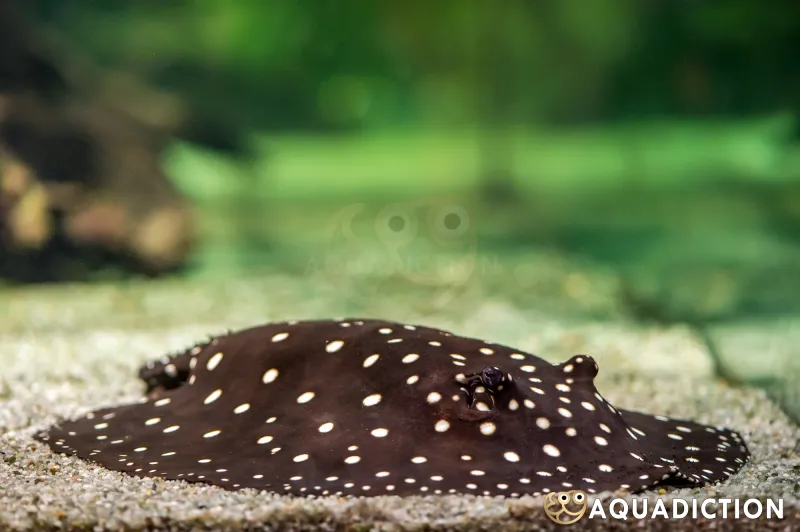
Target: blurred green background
644 153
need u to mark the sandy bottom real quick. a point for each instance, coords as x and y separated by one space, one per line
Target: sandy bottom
53 369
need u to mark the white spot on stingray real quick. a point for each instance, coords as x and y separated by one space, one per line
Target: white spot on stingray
588 406
171 428
380 433
562 388
435 343
605 468
213 396
419 460
513 404
517 356
101 426
269 376
571 431
412 379
433 397
204 460
528 369
486 351
385 330
564 412
242 408
511 456
543 423
605 428
370 360
442 425
382 474
409 358
551 450
152 421
372 400
211 434
300 458
162 402
529 404
326 427
537 390
600 440
264 439
477 473
334 346
488 428
140 449
280 337
213 362
305 397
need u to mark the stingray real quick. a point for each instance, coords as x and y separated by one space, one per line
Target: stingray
367 407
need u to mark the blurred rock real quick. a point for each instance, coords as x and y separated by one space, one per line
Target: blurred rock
81 185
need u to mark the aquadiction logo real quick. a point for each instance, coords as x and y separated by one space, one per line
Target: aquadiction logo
568 507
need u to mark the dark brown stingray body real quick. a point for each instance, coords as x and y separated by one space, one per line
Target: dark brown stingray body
368 407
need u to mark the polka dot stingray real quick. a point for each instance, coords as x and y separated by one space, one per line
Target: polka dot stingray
367 407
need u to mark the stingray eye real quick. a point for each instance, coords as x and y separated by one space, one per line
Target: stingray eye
492 377
563 498
579 497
